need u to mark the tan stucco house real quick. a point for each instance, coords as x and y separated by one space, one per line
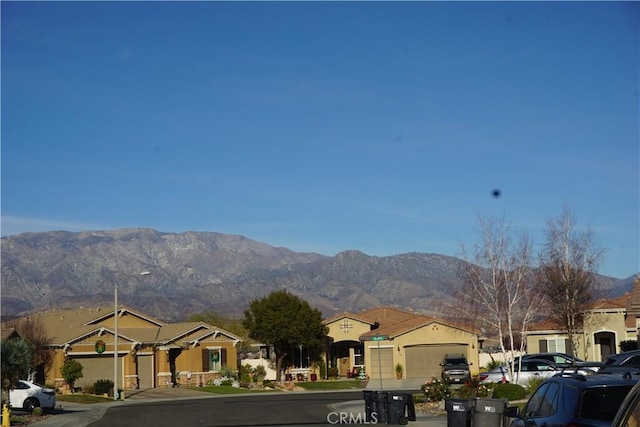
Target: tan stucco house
150 353
606 326
382 338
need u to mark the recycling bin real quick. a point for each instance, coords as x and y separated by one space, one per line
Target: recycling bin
375 406
458 412
400 408
489 412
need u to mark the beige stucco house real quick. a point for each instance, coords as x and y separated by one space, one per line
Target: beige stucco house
150 353
606 326
382 338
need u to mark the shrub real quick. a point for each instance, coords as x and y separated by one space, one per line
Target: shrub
37 411
533 383
246 373
259 373
103 386
333 372
436 390
71 371
225 371
472 388
509 391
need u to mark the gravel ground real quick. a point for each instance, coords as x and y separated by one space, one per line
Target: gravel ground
430 408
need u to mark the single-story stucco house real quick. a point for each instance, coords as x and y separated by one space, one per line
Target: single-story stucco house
150 353
385 339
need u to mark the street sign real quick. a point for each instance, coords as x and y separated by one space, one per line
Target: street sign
379 338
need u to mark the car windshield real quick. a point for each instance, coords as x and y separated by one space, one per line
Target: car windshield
456 362
602 403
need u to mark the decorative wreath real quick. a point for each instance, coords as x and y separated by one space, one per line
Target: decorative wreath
100 346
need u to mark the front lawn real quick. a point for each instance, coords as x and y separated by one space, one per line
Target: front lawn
332 385
82 398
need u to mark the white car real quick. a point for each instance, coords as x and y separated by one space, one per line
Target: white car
530 369
28 395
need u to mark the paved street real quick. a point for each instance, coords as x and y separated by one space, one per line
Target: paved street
184 407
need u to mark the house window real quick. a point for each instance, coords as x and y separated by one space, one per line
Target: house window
358 355
214 358
553 345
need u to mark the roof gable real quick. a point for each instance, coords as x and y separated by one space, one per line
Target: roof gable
122 310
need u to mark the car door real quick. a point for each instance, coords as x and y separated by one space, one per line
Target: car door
18 394
542 407
535 369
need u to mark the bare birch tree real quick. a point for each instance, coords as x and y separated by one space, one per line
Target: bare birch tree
499 293
568 266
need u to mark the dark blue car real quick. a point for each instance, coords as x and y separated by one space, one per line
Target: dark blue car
574 400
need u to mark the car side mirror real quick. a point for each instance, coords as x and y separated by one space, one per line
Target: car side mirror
513 412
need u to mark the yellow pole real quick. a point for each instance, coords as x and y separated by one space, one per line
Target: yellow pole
6 416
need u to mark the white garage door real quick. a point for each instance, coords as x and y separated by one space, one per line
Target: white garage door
423 361
96 368
381 362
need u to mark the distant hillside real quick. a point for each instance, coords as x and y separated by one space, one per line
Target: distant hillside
198 271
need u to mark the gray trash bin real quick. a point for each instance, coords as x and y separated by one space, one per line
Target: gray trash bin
458 412
375 406
489 412
400 408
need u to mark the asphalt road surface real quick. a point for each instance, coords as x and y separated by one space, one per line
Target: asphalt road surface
278 409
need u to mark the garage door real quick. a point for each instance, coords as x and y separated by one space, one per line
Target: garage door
383 355
423 361
145 371
96 368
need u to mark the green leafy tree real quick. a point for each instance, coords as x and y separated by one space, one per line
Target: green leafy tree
17 358
285 321
71 371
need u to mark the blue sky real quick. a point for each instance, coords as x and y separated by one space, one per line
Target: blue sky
324 126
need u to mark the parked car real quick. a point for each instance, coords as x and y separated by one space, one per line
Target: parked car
28 395
455 369
534 368
571 399
564 360
628 414
628 361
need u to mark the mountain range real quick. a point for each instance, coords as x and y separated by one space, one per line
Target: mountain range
195 272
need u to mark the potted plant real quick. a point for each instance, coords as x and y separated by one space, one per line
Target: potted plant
399 370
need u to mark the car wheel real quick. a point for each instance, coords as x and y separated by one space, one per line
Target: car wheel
30 404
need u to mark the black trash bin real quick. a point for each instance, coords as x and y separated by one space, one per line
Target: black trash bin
375 406
458 412
489 412
400 408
